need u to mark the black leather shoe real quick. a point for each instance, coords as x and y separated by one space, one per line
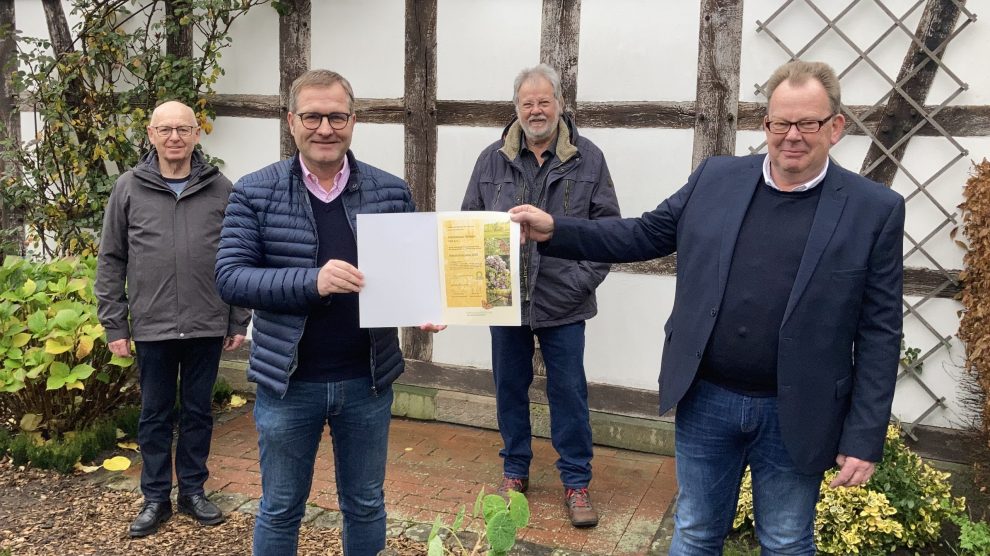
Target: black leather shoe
201 509
152 515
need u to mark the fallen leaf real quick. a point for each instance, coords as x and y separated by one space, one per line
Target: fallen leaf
116 463
237 401
121 434
30 422
129 446
85 468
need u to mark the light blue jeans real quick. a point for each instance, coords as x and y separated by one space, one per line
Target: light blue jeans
289 433
717 433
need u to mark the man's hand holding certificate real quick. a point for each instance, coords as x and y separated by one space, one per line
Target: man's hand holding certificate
449 267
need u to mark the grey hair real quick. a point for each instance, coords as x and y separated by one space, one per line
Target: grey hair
541 70
798 72
320 78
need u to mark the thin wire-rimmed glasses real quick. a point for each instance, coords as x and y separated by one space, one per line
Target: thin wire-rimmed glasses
780 127
165 131
313 120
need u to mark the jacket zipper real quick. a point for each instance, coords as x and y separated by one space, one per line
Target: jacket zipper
371 334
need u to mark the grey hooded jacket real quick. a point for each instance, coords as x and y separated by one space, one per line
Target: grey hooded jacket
164 248
579 185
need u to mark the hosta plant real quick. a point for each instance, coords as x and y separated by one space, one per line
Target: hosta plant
902 506
502 519
56 373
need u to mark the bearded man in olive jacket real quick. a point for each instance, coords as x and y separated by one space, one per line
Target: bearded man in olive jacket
155 285
541 159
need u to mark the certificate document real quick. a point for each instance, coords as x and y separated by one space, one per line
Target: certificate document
439 267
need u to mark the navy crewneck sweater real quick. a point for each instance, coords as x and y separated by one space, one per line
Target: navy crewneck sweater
333 346
742 352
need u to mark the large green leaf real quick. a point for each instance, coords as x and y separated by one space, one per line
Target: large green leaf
435 547
82 371
501 532
491 505
57 346
28 288
67 319
518 509
121 361
20 340
55 382
435 529
37 322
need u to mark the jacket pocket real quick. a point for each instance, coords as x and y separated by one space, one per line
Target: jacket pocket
849 274
843 387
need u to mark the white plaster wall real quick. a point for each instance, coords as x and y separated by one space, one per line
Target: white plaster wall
482 45
629 50
635 50
363 40
250 63
244 144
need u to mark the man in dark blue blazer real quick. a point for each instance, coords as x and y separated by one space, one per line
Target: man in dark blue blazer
781 351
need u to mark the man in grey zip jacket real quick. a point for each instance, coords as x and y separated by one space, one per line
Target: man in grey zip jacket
541 160
155 285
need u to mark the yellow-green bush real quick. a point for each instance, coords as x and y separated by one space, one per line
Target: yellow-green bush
903 505
56 372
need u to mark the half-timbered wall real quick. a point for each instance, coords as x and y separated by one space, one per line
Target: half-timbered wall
658 86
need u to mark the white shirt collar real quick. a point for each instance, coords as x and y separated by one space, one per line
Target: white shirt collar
803 187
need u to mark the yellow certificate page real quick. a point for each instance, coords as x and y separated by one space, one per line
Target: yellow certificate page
479 254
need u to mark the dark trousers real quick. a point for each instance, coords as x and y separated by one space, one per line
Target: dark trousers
161 364
567 392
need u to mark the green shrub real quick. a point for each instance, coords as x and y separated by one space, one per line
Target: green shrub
56 368
4 442
91 107
90 442
19 447
222 391
127 419
63 454
903 505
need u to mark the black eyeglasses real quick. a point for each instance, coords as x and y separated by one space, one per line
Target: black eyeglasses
781 127
313 120
166 131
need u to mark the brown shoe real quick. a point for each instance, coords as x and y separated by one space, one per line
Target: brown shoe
579 507
518 484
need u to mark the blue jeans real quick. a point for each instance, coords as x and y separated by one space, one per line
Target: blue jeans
567 392
161 364
717 433
289 433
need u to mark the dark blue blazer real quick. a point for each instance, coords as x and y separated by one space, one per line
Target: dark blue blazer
839 342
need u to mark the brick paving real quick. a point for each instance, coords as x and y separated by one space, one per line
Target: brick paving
435 468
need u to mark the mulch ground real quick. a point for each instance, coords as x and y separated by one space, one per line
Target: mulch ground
46 513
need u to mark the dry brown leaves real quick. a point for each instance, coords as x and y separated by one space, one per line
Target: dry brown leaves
974 327
45 513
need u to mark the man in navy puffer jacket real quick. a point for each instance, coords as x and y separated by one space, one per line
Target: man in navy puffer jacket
288 250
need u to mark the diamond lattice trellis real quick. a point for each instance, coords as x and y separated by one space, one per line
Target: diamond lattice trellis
831 29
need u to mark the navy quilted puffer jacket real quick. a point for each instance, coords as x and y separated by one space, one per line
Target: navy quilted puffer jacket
267 262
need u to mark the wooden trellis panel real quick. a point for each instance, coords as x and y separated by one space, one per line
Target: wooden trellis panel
902 114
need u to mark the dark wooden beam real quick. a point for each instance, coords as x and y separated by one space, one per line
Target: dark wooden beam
559 36
717 103
10 120
294 43
421 132
58 27
960 121
179 41
899 117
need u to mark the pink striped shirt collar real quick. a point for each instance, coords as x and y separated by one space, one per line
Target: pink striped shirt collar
313 183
